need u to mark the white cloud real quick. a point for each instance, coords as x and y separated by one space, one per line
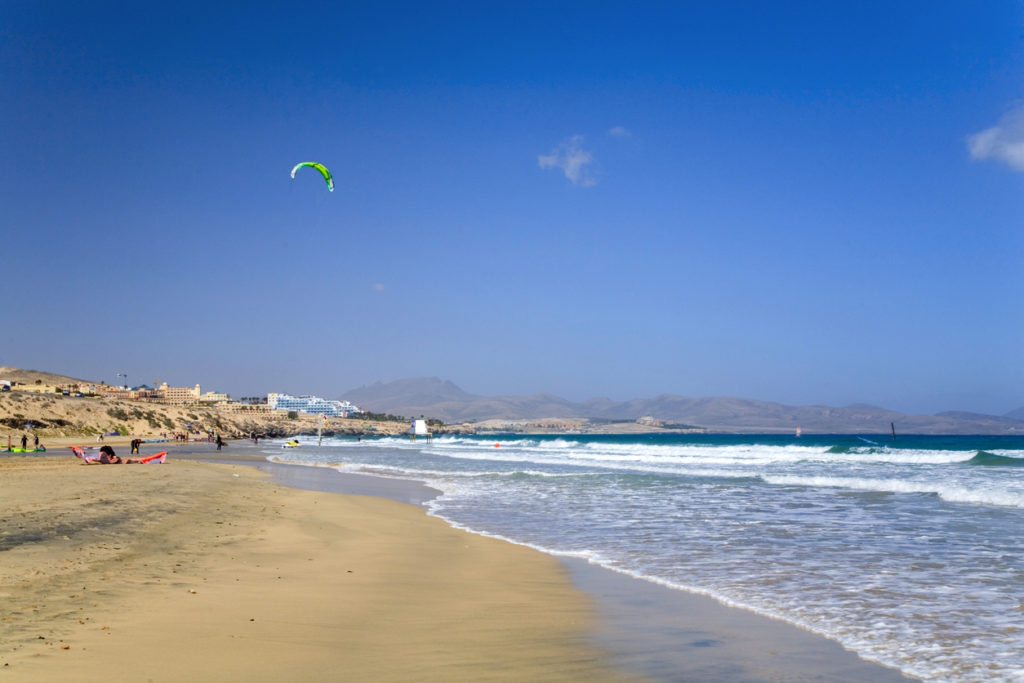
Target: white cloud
572 159
619 132
1003 142
378 287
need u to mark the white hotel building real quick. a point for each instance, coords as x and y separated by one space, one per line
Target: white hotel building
313 405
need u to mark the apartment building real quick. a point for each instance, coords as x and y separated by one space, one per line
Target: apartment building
313 405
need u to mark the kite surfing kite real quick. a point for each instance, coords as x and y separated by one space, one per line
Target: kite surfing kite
328 178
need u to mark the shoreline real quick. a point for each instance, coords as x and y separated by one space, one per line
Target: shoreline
647 630
655 631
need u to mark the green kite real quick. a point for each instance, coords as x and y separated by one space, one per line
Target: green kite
320 167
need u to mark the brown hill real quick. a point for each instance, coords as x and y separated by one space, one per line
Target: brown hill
38 377
53 416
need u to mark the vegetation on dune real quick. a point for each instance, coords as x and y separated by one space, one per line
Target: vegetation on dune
18 422
379 417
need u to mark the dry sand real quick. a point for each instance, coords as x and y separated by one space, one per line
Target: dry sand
195 571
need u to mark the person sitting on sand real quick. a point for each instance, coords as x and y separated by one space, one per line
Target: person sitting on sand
108 457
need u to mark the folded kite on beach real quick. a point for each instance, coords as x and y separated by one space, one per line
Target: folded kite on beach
91 459
80 452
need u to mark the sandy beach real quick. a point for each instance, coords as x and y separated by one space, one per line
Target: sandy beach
193 571
249 570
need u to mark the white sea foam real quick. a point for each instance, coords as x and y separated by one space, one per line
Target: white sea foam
1008 454
952 494
662 456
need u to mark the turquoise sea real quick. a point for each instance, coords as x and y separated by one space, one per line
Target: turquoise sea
907 551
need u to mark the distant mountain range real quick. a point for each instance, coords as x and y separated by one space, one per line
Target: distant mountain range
435 398
1016 414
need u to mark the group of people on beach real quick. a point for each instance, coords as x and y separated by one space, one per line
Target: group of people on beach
24 442
194 435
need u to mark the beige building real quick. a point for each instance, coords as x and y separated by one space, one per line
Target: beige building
163 393
107 391
38 388
179 395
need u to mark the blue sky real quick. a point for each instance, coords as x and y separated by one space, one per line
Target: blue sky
797 202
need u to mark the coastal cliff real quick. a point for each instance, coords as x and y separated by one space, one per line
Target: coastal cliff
54 415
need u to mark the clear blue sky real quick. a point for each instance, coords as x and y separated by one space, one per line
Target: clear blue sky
799 202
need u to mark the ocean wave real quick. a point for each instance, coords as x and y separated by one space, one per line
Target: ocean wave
721 454
664 459
902 457
406 472
986 459
948 493
657 456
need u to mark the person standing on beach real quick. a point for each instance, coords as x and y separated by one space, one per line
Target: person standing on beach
36 439
220 441
24 442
